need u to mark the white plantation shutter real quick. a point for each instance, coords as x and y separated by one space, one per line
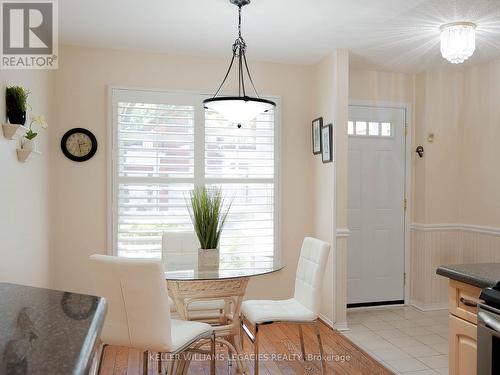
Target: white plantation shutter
239 153
164 144
242 163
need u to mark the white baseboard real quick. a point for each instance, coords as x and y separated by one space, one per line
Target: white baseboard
341 326
325 320
429 306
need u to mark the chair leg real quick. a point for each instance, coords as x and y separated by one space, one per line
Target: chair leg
145 362
302 347
256 350
212 354
101 357
159 363
241 335
320 344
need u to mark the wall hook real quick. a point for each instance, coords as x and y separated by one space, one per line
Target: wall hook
420 151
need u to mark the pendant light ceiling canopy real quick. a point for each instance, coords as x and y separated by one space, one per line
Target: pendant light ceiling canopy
458 41
242 108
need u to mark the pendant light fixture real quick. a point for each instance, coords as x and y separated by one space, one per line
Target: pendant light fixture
458 41
242 108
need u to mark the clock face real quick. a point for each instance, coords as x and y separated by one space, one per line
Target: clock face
79 144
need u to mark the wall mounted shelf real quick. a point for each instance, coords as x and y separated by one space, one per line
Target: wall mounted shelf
22 155
13 131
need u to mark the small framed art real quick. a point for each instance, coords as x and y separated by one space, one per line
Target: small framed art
317 124
326 143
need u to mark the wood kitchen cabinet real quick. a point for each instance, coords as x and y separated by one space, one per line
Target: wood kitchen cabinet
463 347
462 328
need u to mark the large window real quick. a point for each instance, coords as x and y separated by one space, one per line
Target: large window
163 144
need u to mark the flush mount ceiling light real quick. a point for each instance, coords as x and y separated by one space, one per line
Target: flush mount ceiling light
242 108
458 41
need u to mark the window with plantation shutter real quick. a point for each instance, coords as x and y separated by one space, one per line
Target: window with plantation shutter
163 144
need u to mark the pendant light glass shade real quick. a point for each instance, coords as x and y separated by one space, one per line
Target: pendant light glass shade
239 109
458 41
242 108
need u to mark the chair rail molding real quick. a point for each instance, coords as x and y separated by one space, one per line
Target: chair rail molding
343 232
456 227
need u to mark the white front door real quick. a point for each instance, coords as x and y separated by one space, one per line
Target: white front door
376 212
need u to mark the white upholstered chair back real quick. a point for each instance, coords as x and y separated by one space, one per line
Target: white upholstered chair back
310 272
177 244
138 312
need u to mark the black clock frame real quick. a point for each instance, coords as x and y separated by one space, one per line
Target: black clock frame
89 134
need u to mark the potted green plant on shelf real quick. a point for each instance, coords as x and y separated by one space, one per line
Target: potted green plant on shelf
208 213
16 98
28 141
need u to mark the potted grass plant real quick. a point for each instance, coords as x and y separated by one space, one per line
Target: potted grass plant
208 213
16 98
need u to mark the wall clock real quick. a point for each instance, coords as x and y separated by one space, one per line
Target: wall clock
79 144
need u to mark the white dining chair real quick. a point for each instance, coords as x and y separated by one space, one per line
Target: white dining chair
302 309
181 248
138 313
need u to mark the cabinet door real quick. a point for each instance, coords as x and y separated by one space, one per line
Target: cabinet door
463 347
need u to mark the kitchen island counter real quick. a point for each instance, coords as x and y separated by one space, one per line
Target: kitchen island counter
481 275
45 331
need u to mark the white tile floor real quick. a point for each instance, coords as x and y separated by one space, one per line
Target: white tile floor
406 340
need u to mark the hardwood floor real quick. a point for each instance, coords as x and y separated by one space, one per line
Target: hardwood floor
279 341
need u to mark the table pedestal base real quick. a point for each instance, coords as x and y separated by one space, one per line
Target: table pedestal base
231 291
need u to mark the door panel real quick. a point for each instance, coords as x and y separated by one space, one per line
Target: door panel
376 183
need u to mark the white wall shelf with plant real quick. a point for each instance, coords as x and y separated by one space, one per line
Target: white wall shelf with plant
22 155
13 131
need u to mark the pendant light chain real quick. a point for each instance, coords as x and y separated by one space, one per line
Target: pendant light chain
239 22
239 51
242 108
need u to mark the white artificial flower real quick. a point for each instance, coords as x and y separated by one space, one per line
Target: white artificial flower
40 120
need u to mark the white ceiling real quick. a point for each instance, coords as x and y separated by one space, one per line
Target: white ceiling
400 35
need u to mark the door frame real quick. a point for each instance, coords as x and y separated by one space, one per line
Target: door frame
408 193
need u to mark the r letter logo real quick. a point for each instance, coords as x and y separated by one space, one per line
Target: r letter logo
29 34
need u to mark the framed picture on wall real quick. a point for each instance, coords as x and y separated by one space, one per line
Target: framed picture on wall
326 143
317 124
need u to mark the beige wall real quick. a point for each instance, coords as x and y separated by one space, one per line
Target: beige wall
323 178
330 101
369 85
79 189
480 146
438 109
24 191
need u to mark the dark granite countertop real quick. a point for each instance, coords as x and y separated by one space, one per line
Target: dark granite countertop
44 331
481 275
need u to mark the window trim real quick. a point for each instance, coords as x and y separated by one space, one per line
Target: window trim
111 202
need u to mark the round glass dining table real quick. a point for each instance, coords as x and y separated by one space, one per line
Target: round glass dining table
212 290
188 267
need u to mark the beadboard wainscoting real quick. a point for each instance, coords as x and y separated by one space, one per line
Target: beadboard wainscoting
435 244
341 280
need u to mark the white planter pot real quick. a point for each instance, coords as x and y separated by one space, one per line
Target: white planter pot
208 259
28 144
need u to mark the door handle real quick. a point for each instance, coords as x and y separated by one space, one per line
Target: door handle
467 302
